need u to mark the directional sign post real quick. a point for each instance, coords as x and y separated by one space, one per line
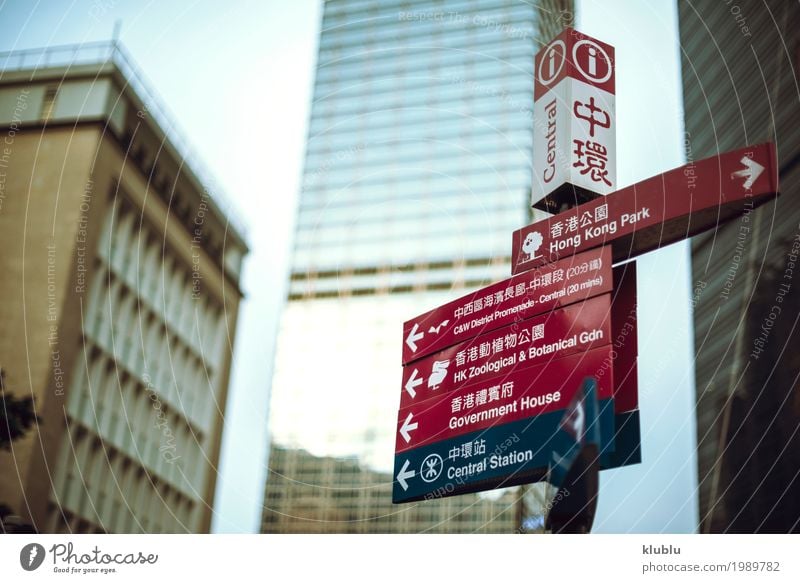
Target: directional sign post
498 386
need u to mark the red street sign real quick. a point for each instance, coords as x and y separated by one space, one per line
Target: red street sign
572 279
545 337
521 394
655 212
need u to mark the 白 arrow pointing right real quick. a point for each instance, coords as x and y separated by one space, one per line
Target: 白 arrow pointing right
413 337
413 382
405 474
752 170
407 427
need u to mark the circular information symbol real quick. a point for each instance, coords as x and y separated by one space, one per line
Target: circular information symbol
431 467
552 62
592 62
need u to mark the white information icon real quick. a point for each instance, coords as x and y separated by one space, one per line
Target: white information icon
595 53
552 62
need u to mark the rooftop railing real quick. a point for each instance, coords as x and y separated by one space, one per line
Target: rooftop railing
98 53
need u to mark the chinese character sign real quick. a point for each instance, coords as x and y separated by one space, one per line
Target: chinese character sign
574 146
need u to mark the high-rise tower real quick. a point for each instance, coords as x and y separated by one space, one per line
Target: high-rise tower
418 167
740 68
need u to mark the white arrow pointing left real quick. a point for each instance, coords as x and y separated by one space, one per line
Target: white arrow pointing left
413 382
408 427
413 337
405 474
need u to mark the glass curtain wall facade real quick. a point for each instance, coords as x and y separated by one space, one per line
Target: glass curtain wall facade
740 66
418 168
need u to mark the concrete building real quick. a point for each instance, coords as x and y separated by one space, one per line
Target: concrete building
740 69
120 296
418 168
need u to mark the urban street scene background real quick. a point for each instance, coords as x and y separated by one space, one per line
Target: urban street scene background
215 219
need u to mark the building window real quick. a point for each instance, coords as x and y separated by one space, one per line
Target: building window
49 101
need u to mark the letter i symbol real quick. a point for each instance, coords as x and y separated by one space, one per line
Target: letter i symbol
593 61
552 63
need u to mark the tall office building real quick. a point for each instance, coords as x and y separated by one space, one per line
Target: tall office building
418 168
740 68
120 296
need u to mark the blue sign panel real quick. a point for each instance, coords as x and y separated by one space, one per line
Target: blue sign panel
505 455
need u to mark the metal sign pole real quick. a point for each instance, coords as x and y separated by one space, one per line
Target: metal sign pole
574 470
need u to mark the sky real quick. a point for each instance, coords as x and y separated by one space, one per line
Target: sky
237 77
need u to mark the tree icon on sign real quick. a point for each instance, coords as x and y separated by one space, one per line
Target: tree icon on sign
531 245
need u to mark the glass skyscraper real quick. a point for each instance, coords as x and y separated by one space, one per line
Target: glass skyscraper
418 168
744 290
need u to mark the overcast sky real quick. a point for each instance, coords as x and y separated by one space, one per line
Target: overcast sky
238 77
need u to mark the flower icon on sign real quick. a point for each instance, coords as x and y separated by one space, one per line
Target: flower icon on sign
531 245
431 467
